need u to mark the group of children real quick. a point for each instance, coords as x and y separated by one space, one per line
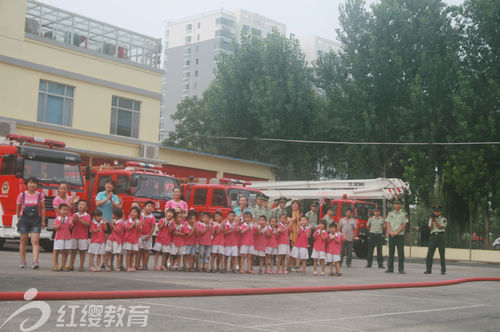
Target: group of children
193 242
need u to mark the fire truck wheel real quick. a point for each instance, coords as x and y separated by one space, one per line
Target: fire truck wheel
47 245
2 242
361 249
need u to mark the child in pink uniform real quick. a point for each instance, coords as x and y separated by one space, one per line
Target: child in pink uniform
80 234
205 241
162 243
283 239
115 241
319 247
260 241
247 231
177 243
133 229
271 244
189 228
62 240
333 249
96 246
230 243
146 238
299 250
217 230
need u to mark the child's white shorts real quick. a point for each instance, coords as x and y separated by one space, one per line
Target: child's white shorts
283 249
300 253
113 247
217 249
271 251
260 253
332 258
130 246
145 244
231 251
161 247
246 250
318 254
63 244
175 250
96 248
80 244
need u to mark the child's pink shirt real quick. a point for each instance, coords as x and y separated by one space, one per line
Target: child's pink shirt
204 239
319 242
334 245
177 240
132 235
218 238
230 239
283 238
247 238
260 238
63 233
186 229
301 241
271 241
163 234
97 237
148 224
117 233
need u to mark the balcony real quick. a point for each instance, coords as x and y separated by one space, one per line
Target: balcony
66 28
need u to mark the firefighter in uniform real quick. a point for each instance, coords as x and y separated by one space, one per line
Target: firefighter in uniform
328 217
376 225
437 225
259 209
312 215
396 222
269 212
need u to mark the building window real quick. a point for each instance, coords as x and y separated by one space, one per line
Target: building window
187 51
125 117
196 61
199 24
187 63
186 75
195 73
189 27
186 86
256 32
225 21
188 39
55 103
198 37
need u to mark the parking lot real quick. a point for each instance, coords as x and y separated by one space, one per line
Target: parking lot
463 307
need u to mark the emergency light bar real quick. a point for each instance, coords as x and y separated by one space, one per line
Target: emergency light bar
36 140
143 165
234 181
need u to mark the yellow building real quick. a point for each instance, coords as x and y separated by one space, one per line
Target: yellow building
95 86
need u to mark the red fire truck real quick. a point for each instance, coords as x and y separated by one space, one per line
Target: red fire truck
222 196
359 195
135 182
22 157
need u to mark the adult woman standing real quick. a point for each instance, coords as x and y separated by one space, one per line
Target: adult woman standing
294 221
242 206
176 201
63 197
106 201
30 211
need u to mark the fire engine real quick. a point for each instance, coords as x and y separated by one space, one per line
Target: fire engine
22 157
222 196
359 195
135 182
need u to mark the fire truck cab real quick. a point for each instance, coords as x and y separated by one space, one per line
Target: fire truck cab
135 182
22 157
221 196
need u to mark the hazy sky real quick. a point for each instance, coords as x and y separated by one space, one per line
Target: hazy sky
302 18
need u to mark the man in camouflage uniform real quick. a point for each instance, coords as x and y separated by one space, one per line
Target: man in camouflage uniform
376 225
280 209
329 215
312 215
259 209
269 212
396 222
437 225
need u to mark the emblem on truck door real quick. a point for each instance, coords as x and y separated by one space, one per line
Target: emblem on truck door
5 187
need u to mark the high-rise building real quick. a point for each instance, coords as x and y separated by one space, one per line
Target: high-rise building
315 46
191 47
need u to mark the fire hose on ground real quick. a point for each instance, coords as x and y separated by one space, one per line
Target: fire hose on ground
130 294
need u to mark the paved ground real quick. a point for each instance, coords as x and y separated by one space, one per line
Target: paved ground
464 307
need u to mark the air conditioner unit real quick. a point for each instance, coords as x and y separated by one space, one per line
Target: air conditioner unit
7 127
149 151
